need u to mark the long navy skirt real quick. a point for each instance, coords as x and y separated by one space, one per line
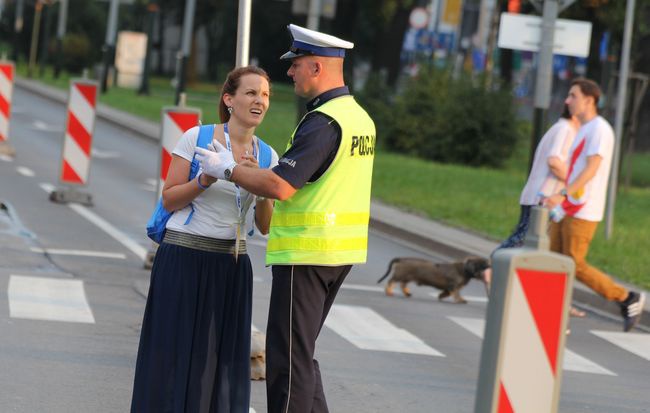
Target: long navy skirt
194 353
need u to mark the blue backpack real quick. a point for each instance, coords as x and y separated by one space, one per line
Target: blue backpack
158 222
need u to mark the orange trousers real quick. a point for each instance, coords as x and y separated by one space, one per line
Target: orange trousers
572 237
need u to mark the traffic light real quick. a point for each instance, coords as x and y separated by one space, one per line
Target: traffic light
514 6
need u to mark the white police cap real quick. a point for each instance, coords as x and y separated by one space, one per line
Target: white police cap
312 43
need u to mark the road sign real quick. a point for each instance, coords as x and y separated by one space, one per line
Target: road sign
524 32
419 18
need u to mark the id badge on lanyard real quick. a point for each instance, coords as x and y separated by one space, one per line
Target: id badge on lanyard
241 217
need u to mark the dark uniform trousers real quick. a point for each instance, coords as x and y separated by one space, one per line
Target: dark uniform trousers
301 297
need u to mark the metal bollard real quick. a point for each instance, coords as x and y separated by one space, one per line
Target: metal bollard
175 121
523 349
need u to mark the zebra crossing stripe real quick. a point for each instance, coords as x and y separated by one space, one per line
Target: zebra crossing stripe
367 330
572 361
39 298
635 343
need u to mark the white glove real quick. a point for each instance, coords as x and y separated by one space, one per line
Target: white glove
215 160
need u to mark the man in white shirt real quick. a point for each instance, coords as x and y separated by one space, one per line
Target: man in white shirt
583 199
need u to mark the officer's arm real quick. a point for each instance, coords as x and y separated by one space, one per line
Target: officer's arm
263 182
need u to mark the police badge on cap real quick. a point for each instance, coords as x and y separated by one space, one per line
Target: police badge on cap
312 43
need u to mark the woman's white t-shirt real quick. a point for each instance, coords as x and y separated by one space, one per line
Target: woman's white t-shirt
215 210
541 180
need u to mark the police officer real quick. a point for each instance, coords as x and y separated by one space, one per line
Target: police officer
320 223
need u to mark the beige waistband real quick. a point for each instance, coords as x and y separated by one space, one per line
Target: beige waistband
199 242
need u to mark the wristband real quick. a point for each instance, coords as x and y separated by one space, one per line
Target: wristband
198 181
259 198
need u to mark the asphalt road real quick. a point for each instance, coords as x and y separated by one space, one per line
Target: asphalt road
377 353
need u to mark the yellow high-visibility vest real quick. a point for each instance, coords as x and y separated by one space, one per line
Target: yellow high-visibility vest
326 221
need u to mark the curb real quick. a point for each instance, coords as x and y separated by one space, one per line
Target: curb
454 242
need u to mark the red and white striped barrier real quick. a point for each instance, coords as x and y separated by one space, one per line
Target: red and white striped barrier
6 88
77 143
175 121
525 331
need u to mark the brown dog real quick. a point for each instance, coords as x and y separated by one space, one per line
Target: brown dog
448 277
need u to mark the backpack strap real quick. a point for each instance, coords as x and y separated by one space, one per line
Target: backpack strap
265 153
206 132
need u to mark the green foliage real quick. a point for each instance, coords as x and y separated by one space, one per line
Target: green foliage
76 52
376 100
446 120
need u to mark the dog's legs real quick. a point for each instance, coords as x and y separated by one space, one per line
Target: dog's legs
443 294
405 289
457 298
389 288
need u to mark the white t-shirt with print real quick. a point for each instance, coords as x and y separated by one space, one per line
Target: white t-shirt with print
556 142
215 209
595 137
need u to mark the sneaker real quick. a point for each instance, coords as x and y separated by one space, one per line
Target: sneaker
631 310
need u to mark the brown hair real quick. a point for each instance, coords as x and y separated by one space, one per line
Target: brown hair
231 85
565 112
588 88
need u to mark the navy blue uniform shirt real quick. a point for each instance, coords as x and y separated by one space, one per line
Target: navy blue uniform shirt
315 144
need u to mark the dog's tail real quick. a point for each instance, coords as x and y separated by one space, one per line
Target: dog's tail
390 268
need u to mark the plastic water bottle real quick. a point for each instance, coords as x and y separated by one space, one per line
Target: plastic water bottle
557 213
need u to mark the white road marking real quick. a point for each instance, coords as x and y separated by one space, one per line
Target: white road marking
367 330
81 253
635 343
101 154
572 361
6 158
38 298
25 171
42 126
360 287
469 298
104 225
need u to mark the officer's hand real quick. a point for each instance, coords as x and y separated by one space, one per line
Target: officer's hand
214 162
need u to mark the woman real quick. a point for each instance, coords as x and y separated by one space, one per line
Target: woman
547 173
194 353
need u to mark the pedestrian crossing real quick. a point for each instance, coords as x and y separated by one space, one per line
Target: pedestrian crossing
65 300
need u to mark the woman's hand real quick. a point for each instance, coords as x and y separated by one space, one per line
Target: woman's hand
249 161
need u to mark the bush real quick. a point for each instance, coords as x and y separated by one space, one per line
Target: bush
452 121
76 53
376 100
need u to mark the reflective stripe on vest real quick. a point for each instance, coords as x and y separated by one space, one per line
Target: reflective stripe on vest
326 221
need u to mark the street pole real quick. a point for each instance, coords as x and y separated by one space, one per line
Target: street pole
38 8
46 38
620 114
313 23
152 9
109 44
60 33
432 26
186 42
544 79
313 15
243 33
18 28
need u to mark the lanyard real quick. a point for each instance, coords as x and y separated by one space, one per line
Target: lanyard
238 201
